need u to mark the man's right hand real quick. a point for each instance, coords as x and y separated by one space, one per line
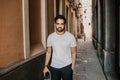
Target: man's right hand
46 70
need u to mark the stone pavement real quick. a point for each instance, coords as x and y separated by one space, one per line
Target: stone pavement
87 64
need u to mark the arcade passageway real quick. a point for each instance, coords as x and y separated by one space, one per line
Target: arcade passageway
26 24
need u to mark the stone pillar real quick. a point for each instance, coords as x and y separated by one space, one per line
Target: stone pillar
94 23
63 7
60 6
100 30
50 16
55 8
26 28
109 46
78 23
119 36
43 22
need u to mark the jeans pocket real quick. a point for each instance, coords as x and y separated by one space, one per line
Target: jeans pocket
70 67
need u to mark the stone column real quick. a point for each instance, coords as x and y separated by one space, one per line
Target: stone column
78 22
60 6
94 23
26 28
119 34
109 46
50 16
100 30
43 22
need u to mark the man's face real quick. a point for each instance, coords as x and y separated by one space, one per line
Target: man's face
60 25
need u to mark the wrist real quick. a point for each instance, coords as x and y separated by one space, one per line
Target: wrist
46 66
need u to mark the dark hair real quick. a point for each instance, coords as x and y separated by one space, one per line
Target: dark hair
60 17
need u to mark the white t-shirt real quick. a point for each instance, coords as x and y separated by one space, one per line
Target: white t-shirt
61 45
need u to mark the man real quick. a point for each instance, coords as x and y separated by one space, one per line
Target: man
61 49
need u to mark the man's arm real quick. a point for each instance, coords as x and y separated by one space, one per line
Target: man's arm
73 49
48 55
47 59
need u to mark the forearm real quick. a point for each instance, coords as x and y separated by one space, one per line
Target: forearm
74 51
47 59
73 60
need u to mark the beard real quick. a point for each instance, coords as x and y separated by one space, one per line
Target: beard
60 29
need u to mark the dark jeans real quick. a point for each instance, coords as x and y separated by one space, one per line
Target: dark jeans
65 73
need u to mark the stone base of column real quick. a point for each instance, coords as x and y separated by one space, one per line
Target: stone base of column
100 53
109 61
99 48
95 43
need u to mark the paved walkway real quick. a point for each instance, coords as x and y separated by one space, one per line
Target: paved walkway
88 66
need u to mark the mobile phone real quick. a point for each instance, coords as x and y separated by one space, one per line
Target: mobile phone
47 75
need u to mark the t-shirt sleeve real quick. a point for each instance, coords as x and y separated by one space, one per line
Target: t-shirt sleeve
49 41
73 42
